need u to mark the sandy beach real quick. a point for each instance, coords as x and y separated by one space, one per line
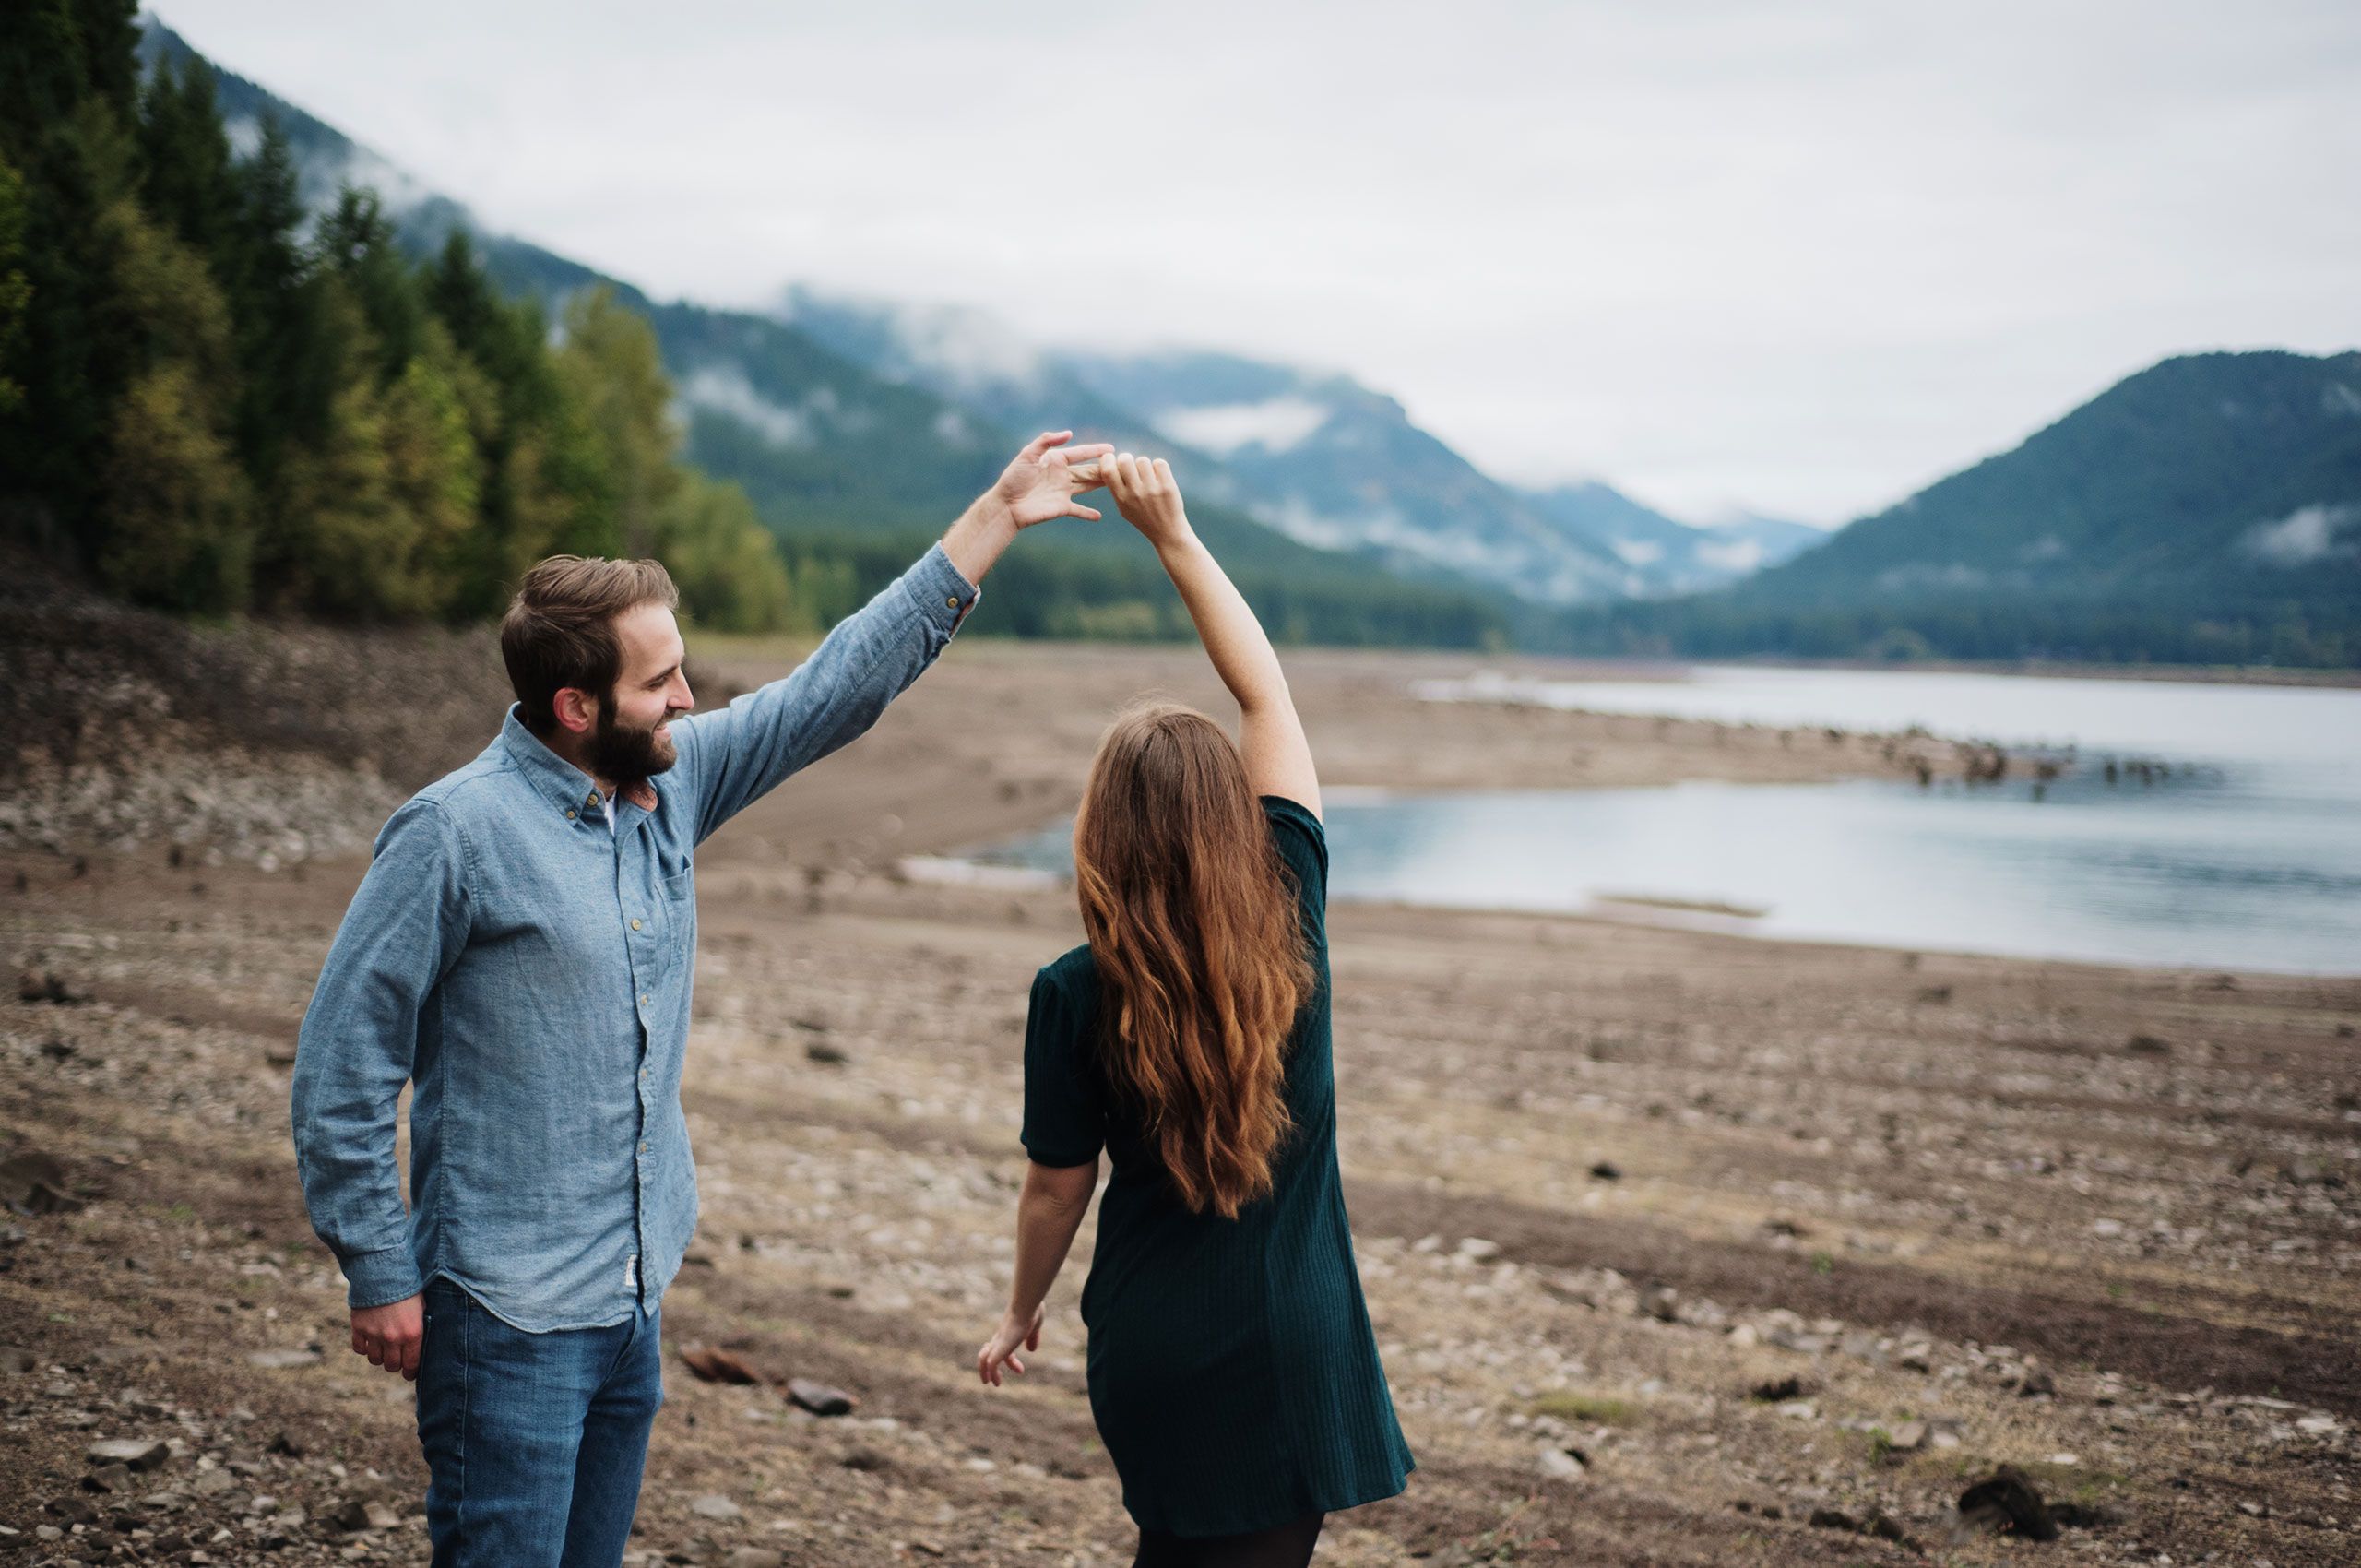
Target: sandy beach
1681 1247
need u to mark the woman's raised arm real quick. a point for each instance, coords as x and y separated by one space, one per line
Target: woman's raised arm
1278 758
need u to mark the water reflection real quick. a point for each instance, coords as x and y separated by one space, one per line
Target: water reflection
2199 871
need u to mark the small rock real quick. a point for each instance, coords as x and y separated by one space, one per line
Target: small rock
713 1506
819 1398
1907 1438
1559 1465
1777 1390
283 1359
717 1366
45 985
755 1557
138 1453
107 1477
2035 1383
2006 1503
34 1182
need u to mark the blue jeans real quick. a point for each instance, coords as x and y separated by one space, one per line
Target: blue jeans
534 1443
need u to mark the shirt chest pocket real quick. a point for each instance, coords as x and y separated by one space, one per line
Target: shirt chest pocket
678 896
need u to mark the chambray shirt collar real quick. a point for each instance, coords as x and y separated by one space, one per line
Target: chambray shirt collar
565 787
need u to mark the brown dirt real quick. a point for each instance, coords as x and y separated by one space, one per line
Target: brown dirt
1839 1181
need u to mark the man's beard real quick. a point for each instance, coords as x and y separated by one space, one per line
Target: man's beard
626 756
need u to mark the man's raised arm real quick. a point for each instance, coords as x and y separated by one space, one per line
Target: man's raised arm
736 754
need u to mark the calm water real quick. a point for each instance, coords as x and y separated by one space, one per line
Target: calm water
2251 860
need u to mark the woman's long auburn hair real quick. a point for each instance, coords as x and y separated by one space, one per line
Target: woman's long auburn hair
1199 947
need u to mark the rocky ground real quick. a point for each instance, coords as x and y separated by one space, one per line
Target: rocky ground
1681 1247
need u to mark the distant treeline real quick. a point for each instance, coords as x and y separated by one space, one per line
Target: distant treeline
2280 632
213 405
1123 594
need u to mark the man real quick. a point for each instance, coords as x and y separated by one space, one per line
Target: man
520 951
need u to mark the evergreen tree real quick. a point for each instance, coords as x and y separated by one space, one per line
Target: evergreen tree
356 242
613 374
726 565
186 183
16 293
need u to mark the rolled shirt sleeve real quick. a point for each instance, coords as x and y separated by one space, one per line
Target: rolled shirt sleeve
360 1038
735 755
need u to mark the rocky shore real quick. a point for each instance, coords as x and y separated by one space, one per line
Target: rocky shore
1680 1247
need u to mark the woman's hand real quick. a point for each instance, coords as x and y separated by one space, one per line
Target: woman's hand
1042 481
1148 495
1000 1348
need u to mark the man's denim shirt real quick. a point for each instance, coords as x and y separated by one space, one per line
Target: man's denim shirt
529 973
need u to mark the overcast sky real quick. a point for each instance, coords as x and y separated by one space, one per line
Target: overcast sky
1800 258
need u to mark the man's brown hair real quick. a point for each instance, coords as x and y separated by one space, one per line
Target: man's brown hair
560 629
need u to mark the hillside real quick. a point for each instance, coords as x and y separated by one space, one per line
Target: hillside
853 469
2206 510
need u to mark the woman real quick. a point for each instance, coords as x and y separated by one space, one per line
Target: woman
1232 1371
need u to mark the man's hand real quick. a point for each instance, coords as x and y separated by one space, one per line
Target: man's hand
389 1335
1042 481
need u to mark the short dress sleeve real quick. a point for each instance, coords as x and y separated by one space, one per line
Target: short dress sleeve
1303 846
1063 1123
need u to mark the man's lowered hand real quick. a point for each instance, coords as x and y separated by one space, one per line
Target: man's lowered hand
390 1336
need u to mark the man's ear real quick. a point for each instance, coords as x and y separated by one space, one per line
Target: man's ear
576 710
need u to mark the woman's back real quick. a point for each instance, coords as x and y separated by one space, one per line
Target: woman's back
1232 1368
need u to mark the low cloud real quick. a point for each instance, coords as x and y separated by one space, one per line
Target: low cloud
2304 536
1274 424
724 389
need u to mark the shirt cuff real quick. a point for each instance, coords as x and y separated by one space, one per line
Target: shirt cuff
942 594
379 1279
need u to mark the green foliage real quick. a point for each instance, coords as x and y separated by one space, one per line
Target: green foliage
1591 1409
234 418
727 567
231 418
181 537
16 290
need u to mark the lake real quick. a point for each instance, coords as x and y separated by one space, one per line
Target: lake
2247 857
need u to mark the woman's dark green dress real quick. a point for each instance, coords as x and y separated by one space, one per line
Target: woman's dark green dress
1232 1369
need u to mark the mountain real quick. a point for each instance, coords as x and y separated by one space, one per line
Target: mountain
1319 457
807 431
1669 557
1337 465
2207 509
823 444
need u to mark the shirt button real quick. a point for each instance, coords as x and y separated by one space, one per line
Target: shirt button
951 601
634 925
642 999
569 813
